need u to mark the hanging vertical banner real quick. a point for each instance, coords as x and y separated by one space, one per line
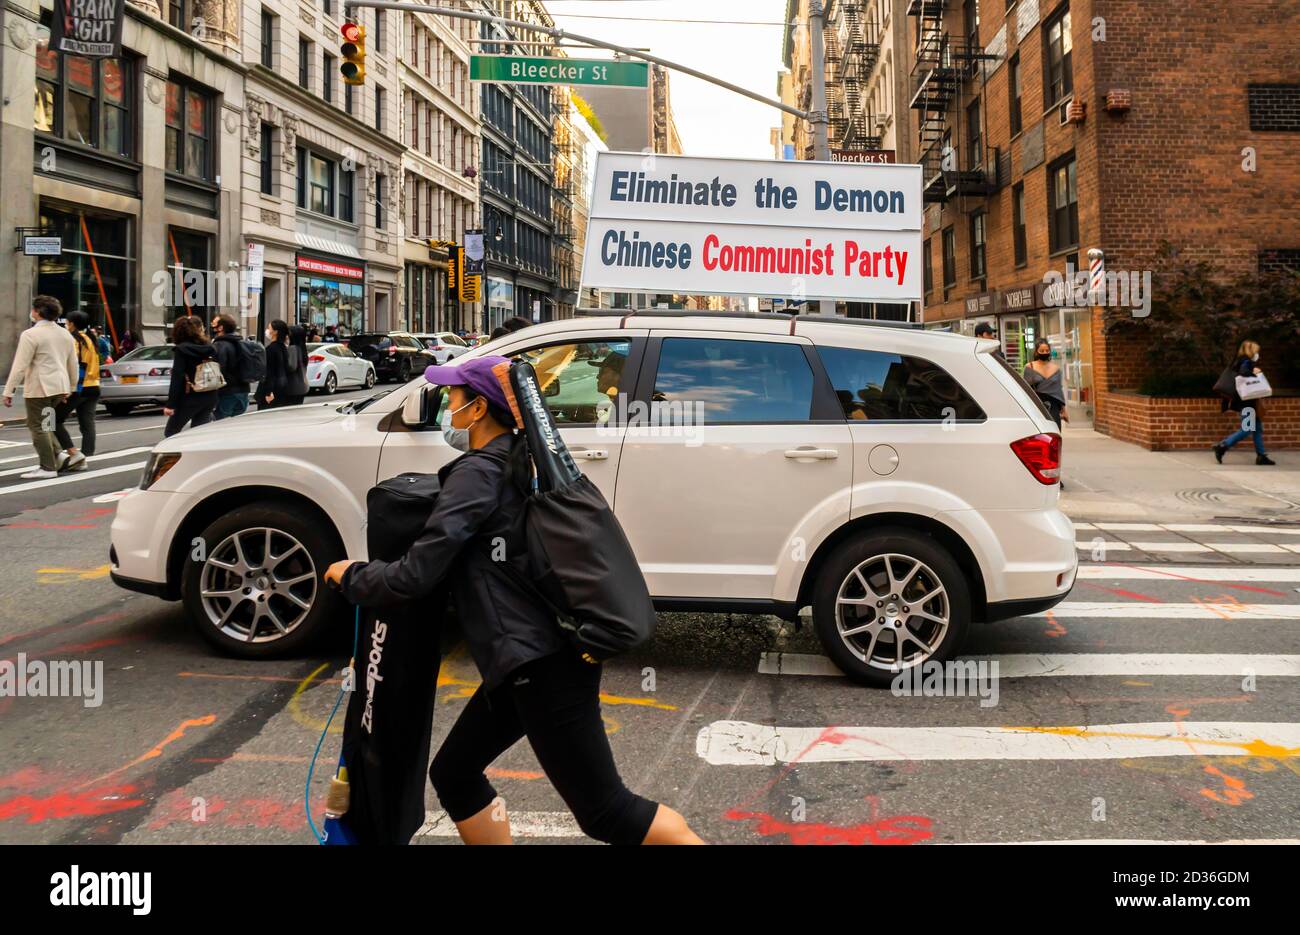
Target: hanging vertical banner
474 251
454 260
90 28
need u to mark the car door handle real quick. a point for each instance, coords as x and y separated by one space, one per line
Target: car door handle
814 454
590 454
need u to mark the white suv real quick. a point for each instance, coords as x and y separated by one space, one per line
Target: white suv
901 482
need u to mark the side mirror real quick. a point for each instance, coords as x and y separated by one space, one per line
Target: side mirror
552 388
421 407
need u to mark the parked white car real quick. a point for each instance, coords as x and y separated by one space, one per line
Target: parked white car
901 483
331 366
444 344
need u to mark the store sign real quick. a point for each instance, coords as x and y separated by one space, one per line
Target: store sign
256 257
537 70
679 224
471 288
1022 299
864 156
986 303
330 268
90 28
455 258
42 246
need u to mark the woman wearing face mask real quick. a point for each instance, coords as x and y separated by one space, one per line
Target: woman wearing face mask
271 389
535 683
1044 378
1251 412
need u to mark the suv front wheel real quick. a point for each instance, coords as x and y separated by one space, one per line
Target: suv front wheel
887 601
256 590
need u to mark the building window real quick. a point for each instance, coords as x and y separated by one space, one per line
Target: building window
189 134
1058 80
971 14
1274 107
379 109
327 7
268 38
949 258
327 78
347 98
347 183
927 267
380 29
83 100
1013 86
190 254
977 268
176 14
320 185
1062 204
267 176
1018 231
974 135
380 182
304 63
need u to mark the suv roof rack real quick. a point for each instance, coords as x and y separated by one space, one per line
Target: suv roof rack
677 313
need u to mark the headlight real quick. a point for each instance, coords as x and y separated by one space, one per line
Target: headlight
159 464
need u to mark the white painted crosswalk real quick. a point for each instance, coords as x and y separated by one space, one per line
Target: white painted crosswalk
63 479
1040 665
741 743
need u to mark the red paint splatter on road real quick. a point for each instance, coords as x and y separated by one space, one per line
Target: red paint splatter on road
897 829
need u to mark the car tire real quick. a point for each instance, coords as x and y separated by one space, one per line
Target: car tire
404 372
300 550
331 384
370 377
119 409
882 559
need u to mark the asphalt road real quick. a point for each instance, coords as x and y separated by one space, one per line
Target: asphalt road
1128 714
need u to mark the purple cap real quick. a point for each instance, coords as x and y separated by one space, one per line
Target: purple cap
475 373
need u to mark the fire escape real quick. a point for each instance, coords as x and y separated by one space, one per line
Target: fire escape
860 50
945 73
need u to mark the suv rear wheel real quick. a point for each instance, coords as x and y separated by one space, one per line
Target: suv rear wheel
258 590
888 601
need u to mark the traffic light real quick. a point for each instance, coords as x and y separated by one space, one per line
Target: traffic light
353 52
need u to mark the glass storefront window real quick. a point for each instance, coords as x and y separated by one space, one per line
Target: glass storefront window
190 277
82 100
323 301
95 273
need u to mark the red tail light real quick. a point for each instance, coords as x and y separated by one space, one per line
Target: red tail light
392 351
1041 454
438 347
316 358
160 371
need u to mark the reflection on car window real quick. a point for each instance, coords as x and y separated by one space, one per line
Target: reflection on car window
877 385
357 405
152 352
733 381
580 382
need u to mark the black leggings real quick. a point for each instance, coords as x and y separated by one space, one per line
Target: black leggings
555 702
195 409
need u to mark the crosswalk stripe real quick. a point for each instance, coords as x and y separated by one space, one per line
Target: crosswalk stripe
1190 527
71 478
1197 573
522 825
741 743
1134 610
1030 665
125 452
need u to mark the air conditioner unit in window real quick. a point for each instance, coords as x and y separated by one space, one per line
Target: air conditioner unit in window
1063 112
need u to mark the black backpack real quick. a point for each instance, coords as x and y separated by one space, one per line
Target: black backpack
250 361
578 559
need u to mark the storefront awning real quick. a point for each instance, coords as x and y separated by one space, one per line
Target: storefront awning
324 245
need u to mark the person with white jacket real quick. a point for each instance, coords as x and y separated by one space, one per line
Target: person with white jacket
45 364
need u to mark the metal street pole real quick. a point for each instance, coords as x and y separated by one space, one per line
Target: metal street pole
818 116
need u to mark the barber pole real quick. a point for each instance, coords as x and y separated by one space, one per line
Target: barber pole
1096 277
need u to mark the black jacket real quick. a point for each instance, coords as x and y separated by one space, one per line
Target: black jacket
277 371
1245 367
472 527
226 347
185 359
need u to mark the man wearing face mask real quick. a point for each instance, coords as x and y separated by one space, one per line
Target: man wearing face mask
46 366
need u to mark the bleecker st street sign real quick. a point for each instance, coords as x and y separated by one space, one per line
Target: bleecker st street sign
559 71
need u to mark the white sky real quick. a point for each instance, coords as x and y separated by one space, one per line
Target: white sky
712 121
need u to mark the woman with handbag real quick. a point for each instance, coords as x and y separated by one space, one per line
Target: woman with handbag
189 398
536 684
1243 369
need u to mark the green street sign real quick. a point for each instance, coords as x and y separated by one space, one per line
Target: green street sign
518 68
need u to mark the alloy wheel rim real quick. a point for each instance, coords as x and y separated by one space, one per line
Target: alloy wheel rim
892 611
258 585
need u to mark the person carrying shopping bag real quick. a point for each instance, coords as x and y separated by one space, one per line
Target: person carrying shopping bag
1245 375
536 683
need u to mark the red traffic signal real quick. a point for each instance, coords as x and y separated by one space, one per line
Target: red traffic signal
353 52
352 32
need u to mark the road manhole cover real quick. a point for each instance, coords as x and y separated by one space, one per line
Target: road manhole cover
1233 499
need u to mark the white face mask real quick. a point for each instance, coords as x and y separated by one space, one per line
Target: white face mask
457 438
1254 356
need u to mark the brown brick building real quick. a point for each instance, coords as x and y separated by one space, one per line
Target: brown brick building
1051 127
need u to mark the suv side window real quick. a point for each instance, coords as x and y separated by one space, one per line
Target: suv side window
580 381
729 381
875 385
